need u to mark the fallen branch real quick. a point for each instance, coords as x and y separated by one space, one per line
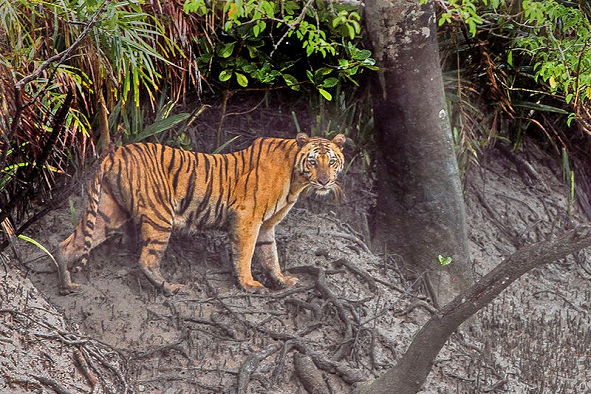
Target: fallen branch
58 388
357 271
348 374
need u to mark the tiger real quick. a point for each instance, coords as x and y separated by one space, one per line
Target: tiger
159 189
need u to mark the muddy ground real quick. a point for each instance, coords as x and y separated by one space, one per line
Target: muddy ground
352 313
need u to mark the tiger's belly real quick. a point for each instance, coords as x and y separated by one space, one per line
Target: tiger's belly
202 215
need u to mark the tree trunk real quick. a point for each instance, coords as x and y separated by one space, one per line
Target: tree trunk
420 207
412 370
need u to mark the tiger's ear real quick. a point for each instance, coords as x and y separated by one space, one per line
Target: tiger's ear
302 139
339 140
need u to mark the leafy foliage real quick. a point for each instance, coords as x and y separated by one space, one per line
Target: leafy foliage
515 65
559 46
106 53
259 43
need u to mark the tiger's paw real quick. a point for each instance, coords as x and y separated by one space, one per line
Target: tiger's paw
289 281
282 281
69 289
175 288
252 286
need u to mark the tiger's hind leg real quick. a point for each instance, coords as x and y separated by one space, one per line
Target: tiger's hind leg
109 217
266 254
155 237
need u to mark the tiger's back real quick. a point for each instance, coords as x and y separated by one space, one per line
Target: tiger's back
197 190
161 188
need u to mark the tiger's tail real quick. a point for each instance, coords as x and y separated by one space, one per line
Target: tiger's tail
89 219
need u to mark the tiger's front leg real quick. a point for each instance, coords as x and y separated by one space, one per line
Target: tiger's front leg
266 254
243 237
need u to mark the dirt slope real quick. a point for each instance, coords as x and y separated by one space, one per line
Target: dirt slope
351 313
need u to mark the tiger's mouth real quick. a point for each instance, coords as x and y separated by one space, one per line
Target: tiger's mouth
324 190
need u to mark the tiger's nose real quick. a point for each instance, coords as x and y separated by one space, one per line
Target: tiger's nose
323 179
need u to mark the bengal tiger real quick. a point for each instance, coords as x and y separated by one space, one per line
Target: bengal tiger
161 189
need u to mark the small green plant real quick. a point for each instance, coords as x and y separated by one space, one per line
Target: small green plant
443 261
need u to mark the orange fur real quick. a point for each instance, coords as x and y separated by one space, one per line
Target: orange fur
160 189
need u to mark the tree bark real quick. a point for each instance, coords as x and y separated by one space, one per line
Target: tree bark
412 370
420 207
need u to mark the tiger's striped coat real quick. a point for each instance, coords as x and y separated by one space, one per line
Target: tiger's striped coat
162 189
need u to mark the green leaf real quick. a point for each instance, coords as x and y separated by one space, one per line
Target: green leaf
160 126
223 146
268 8
241 79
291 81
325 94
39 245
444 260
321 72
226 50
336 21
540 107
225 75
362 54
330 82
351 31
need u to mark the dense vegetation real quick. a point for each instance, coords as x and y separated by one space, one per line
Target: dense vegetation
517 66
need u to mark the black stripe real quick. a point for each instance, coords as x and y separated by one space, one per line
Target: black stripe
172 160
235 164
205 199
104 216
205 217
222 186
281 145
190 219
179 167
259 243
146 220
190 193
256 176
207 165
270 144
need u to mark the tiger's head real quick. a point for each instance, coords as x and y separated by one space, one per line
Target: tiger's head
319 162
